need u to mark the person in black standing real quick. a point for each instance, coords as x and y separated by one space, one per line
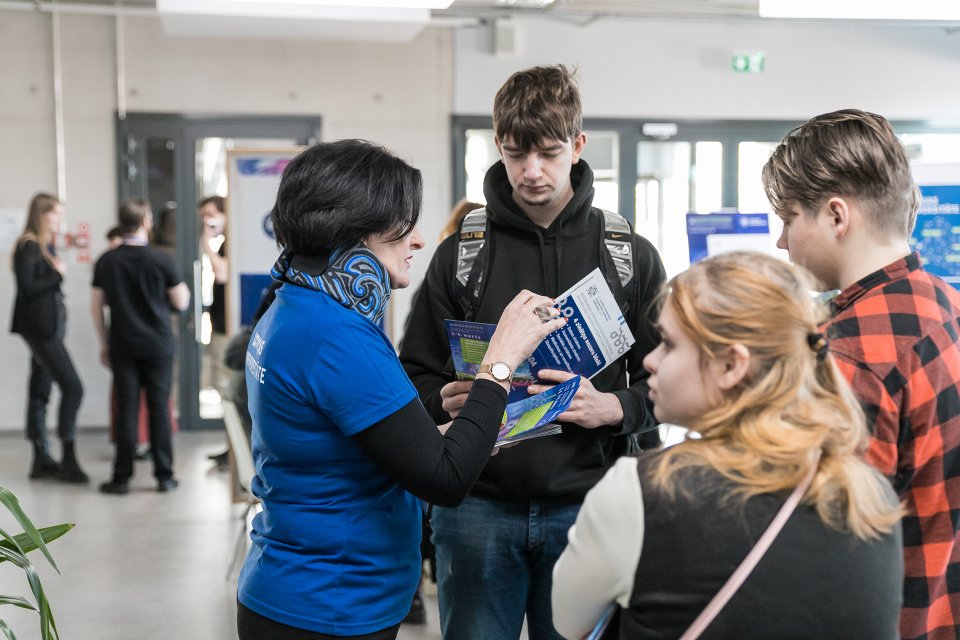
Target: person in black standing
40 316
141 286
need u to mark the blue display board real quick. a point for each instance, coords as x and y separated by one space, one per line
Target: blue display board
252 288
937 232
712 233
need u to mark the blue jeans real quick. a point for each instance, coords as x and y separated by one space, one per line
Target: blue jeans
495 563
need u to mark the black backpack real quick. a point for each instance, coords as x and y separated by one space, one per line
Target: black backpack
471 263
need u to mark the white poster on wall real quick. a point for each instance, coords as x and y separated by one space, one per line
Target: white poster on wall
11 224
253 176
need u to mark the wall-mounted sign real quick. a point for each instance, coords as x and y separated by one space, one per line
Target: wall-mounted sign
748 62
709 234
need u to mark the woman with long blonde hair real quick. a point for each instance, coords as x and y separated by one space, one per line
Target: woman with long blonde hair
39 315
742 366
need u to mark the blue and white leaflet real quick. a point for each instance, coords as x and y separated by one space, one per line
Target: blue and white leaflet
596 334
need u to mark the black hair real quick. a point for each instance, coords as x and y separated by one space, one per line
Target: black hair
114 232
337 194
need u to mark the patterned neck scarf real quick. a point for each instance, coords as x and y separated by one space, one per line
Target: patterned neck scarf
354 277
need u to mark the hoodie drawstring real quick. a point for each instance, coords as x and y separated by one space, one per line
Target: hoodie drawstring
556 283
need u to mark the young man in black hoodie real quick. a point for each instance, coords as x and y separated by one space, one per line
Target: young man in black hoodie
495 552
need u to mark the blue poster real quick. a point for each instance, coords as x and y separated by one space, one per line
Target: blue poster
937 232
711 233
252 288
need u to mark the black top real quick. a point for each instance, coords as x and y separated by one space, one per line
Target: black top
218 305
135 280
545 261
814 582
38 312
441 470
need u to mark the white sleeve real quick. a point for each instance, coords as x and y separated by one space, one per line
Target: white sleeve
603 549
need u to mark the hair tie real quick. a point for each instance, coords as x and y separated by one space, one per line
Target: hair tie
818 344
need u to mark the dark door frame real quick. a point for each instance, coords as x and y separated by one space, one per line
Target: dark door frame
184 130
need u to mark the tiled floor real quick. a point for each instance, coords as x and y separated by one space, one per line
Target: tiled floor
146 566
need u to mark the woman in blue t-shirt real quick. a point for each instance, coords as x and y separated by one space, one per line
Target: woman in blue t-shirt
344 451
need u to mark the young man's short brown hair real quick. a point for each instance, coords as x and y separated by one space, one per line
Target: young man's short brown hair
537 105
132 213
845 153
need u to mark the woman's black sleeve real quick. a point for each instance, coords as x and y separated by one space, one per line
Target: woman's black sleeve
27 266
438 468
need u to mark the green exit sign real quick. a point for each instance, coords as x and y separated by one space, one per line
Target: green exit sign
748 62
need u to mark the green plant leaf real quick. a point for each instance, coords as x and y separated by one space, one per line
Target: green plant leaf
25 543
13 505
17 601
7 631
15 557
48 628
14 549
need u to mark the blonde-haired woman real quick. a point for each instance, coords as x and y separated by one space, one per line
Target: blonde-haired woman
457 214
39 315
742 366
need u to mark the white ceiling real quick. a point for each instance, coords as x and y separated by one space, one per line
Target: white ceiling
591 9
579 9
460 13
188 22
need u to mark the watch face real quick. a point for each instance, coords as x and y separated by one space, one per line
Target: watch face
500 371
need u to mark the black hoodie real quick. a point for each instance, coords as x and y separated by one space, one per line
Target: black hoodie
523 255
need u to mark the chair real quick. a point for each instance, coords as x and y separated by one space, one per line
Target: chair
242 457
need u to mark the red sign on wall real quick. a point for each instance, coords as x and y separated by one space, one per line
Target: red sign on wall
82 242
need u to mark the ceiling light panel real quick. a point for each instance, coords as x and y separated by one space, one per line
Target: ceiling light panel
860 10
298 10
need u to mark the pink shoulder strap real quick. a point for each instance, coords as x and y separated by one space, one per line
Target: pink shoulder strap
750 562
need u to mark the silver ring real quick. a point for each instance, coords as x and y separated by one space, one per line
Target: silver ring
543 313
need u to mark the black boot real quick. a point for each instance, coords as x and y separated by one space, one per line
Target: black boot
70 470
43 465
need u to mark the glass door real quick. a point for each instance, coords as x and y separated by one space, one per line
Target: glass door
675 178
176 161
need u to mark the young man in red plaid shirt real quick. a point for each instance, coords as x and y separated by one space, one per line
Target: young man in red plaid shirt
842 185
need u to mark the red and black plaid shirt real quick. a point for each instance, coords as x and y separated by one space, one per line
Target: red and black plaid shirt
895 336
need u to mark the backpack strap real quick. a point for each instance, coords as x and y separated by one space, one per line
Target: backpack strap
469 274
617 237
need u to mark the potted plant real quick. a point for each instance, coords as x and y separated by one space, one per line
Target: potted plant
14 549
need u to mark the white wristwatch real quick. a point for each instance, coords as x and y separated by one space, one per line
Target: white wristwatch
500 371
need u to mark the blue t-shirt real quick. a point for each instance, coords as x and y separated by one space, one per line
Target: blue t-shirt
336 549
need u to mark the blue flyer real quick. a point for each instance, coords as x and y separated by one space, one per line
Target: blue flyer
533 417
596 334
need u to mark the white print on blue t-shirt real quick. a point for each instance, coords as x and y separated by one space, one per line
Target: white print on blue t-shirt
252 364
